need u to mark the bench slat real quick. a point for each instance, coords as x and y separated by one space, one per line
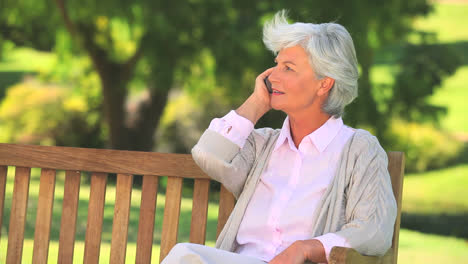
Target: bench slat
69 216
100 160
171 215
226 204
149 194
95 218
199 211
3 176
123 195
44 216
18 215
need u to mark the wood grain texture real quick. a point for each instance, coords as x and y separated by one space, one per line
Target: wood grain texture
95 218
149 194
100 160
226 204
342 255
69 216
123 196
3 176
396 167
44 216
171 216
199 211
18 215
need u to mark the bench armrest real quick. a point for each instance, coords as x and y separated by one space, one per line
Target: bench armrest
342 255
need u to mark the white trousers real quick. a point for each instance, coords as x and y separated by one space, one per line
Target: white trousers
187 253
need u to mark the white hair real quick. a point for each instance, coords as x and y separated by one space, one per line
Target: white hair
331 54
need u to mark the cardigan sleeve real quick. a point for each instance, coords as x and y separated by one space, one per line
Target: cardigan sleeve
225 161
370 205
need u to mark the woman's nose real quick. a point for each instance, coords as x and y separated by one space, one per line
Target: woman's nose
273 77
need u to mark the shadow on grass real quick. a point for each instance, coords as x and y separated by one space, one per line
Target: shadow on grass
440 224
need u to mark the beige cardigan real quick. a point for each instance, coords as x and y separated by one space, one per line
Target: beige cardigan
358 205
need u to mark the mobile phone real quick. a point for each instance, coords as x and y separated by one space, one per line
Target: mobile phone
268 85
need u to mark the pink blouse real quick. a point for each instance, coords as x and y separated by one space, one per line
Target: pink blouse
290 187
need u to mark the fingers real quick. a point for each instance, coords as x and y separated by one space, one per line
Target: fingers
267 72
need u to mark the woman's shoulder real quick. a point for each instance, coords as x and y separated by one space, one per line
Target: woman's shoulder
364 142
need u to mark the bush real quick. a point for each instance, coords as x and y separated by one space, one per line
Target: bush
425 147
45 114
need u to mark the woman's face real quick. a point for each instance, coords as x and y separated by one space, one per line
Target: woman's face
295 86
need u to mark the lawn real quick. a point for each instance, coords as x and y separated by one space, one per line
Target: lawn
421 193
440 191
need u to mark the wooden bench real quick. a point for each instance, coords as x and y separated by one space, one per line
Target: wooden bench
125 164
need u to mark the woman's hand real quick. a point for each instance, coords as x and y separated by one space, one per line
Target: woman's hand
294 254
259 101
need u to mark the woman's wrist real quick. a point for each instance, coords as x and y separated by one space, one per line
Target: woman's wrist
313 250
252 109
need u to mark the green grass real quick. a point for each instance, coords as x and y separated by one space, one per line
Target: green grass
440 191
422 193
419 248
454 96
447 20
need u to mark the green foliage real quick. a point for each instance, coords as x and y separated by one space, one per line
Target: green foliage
423 67
29 23
35 113
151 44
425 147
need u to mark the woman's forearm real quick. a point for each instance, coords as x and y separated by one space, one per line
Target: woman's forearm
252 109
300 252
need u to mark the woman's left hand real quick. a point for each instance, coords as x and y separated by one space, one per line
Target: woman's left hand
294 254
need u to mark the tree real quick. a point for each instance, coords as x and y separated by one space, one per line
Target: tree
156 42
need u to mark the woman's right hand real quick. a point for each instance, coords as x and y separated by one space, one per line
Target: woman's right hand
259 101
260 92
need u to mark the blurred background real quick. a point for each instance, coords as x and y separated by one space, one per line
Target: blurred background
149 75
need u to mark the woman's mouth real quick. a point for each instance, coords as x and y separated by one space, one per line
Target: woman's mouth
276 92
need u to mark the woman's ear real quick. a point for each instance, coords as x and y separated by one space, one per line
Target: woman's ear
325 85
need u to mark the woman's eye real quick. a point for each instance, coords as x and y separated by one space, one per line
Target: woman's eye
288 68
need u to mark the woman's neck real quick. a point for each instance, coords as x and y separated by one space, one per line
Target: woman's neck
302 125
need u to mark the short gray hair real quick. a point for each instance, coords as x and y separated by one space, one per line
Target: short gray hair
331 54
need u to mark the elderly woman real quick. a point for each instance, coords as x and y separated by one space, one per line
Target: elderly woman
311 185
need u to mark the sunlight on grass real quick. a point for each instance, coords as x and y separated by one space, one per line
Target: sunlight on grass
454 96
419 248
448 20
437 191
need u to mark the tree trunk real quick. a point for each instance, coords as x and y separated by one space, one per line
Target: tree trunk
142 130
114 90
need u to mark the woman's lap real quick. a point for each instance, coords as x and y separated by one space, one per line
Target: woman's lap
187 253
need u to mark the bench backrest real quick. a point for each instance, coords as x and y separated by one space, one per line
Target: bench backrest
125 164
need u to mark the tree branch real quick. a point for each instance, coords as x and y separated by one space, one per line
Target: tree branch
66 18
